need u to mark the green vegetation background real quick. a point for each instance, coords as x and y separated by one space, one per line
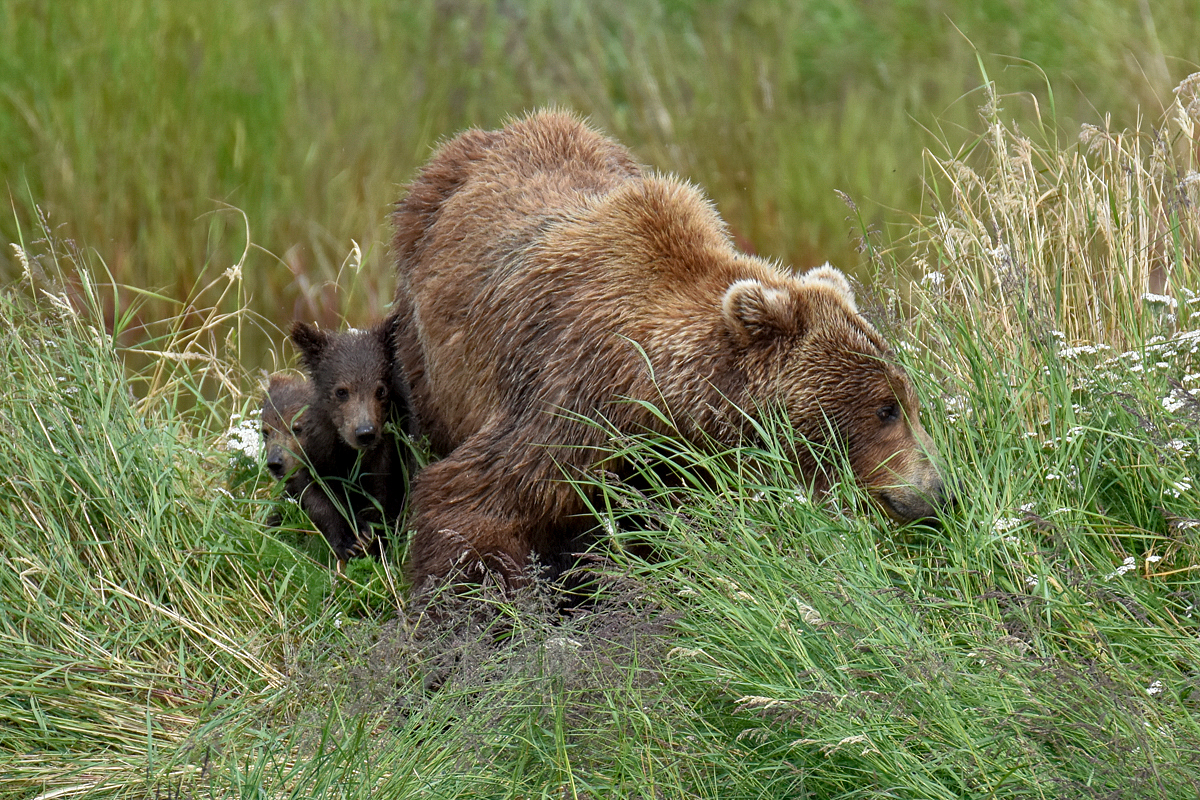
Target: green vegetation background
135 126
185 178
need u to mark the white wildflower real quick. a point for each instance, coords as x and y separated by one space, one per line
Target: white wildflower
1172 403
1177 488
1126 565
1031 581
242 440
1083 349
797 497
957 407
933 279
1160 300
1155 688
1180 446
1005 524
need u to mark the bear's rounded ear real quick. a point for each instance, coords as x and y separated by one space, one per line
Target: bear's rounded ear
310 342
752 310
834 277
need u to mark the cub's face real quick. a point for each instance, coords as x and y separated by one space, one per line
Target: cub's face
284 405
358 409
351 376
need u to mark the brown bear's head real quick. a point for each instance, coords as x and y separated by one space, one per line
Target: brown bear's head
351 379
284 404
810 351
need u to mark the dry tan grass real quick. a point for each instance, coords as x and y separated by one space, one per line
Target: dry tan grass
1038 238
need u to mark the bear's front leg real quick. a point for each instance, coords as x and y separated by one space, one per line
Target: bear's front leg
478 511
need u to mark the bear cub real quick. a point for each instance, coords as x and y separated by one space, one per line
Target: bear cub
284 440
358 468
286 399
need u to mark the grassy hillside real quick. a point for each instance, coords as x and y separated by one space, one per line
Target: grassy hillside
135 126
157 641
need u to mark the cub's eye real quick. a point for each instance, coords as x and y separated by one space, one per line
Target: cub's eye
297 430
342 393
381 393
888 413
265 433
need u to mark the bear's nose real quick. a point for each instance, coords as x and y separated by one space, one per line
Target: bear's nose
365 435
944 496
275 465
949 499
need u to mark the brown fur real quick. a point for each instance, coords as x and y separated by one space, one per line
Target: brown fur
355 392
284 403
544 277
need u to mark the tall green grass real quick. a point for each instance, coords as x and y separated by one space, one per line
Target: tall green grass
156 640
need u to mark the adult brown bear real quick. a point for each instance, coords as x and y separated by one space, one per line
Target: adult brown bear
545 279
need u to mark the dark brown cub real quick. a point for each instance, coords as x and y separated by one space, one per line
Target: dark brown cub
356 392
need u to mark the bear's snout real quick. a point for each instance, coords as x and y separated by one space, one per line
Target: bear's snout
275 463
365 434
907 482
916 503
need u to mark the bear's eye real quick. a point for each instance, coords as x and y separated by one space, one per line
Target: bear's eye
265 432
342 393
889 413
381 393
297 430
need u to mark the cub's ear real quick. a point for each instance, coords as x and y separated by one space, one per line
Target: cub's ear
310 342
752 310
831 276
386 330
